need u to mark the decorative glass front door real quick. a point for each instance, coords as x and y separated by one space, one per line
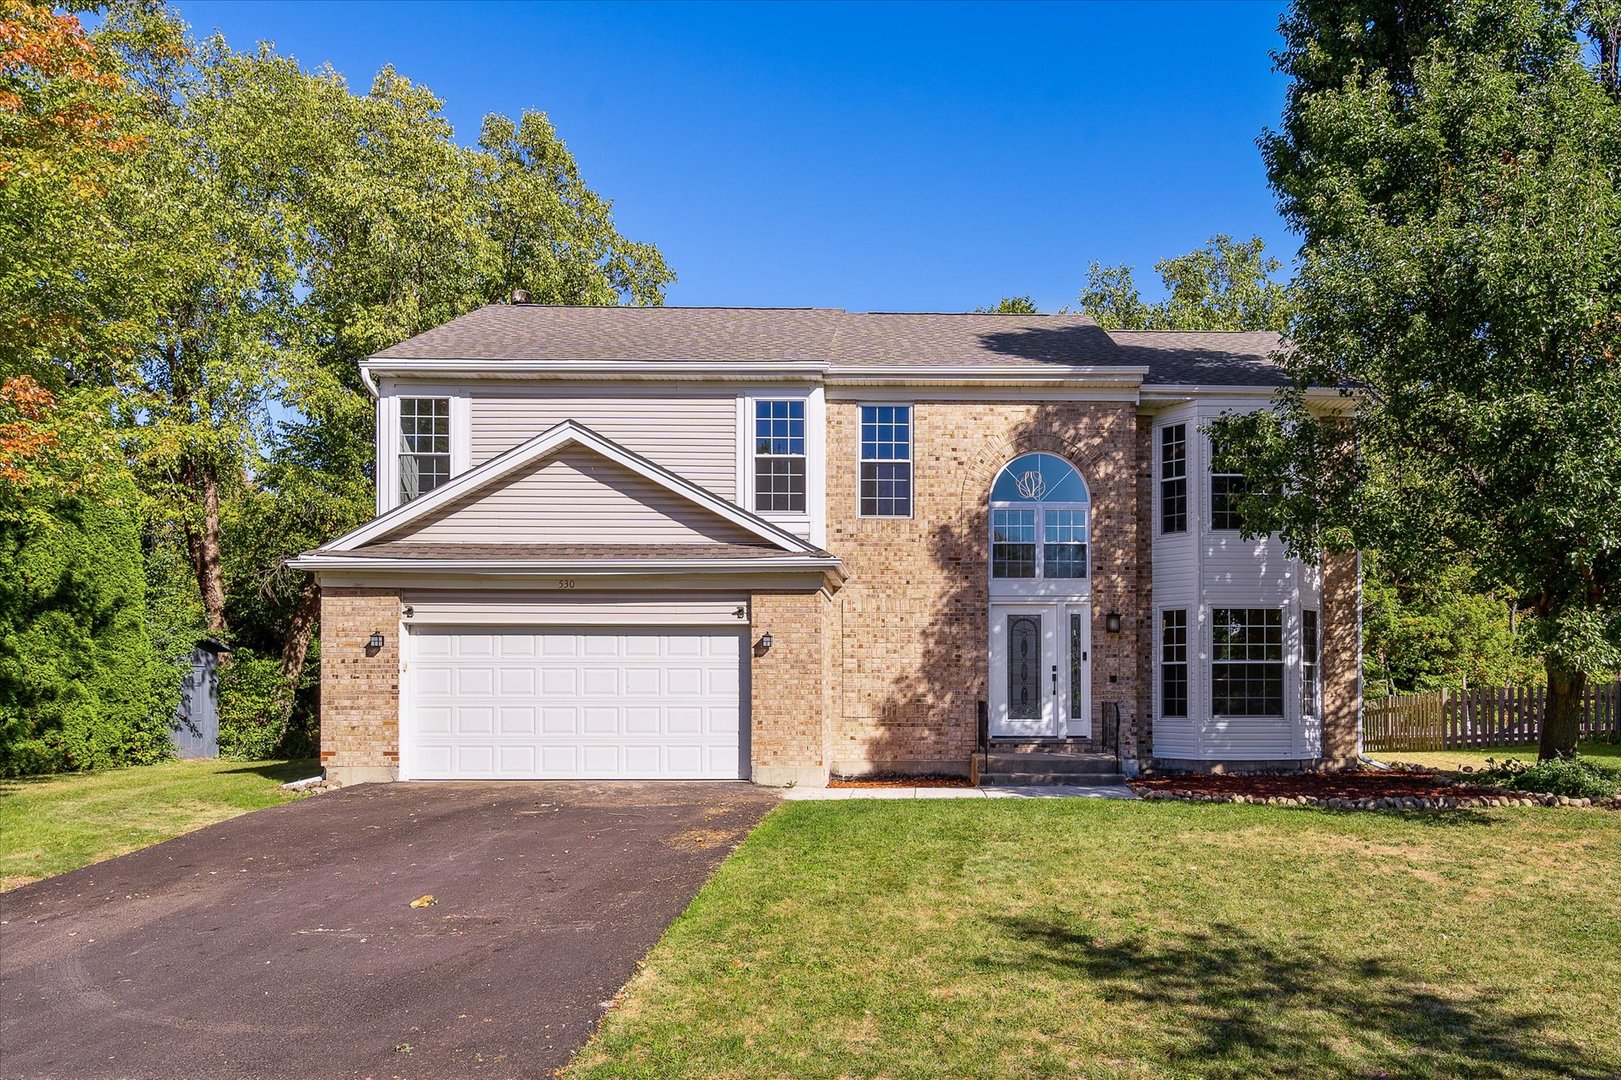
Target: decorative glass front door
1040 670
1024 700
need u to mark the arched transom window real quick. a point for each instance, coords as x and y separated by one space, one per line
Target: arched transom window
1039 509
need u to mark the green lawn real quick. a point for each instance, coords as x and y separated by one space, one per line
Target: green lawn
1452 760
53 824
1129 939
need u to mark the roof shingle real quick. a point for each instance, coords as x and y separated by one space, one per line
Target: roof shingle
502 332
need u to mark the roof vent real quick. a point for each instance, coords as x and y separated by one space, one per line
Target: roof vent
520 296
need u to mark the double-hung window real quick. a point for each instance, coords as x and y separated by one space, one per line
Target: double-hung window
1246 671
1173 663
1309 658
779 456
1173 478
1226 489
1013 543
1039 507
424 449
886 461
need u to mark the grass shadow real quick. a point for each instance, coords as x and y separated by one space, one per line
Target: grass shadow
281 771
1428 819
1244 1007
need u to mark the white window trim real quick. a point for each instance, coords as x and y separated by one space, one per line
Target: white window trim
1159 480
1316 663
1189 661
1289 663
1038 585
388 429
1209 474
911 460
812 524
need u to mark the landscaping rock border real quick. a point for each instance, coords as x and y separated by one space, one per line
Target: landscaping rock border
1438 802
313 785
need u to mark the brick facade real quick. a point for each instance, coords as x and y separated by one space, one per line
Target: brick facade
791 687
360 686
889 672
1342 659
1140 750
913 653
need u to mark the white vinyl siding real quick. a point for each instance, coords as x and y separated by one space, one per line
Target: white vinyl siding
574 497
691 433
1203 570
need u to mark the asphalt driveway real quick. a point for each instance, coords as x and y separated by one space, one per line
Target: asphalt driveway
283 943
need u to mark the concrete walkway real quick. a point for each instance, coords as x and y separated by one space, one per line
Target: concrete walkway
1046 791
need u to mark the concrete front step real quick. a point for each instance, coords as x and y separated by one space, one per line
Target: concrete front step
1051 779
1050 761
1047 746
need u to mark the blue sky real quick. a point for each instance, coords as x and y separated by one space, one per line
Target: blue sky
897 157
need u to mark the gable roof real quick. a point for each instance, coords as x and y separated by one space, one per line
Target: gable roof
548 443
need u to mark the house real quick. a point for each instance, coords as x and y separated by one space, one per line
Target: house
781 544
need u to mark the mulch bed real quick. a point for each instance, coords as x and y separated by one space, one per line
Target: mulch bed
1347 784
895 781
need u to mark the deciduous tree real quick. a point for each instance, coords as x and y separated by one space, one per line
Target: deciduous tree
1225 285
1455 172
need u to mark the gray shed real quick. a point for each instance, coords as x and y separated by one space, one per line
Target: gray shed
196 730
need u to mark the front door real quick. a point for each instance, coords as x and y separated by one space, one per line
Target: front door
1040 664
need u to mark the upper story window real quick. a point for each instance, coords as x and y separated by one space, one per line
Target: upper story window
1173 478
1246 670
1227 489
424 453
779 456
1039 513
1309 659
886 461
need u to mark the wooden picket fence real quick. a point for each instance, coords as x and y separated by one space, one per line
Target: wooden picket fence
1479 716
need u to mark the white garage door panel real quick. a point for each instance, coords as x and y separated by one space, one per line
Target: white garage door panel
574 704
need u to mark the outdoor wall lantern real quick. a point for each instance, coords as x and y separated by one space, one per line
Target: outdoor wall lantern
1111 622
375 641
765 642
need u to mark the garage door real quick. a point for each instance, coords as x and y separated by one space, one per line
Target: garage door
560 703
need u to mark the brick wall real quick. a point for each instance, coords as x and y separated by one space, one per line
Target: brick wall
1342 659
912 654
790 687
1137 738
360 688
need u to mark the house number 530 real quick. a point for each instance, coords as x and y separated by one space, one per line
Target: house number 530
565 583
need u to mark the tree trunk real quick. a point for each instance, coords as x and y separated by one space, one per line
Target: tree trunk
297 644
204 545
1561 720
1608 37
